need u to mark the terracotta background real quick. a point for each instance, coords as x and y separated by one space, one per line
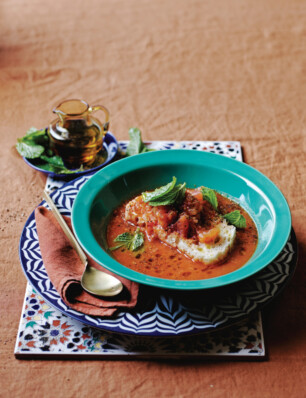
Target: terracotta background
177 69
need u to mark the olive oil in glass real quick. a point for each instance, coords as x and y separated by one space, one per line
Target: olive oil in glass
76 136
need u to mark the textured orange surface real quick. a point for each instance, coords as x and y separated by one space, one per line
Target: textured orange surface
193 70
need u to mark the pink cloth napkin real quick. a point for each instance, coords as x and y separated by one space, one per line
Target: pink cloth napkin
65 269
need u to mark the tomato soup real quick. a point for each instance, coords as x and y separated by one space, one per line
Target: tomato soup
159 259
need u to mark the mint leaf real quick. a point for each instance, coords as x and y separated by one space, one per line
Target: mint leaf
29 150
132 241
137 241
54 164
32 130
159 192
136 145
125 237
210 196
166 195
175 196
53 160
35 136
235 218
31 146
58 169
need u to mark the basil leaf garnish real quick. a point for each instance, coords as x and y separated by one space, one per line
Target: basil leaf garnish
210 196
235 218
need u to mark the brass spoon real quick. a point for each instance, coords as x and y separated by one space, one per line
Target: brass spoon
93 281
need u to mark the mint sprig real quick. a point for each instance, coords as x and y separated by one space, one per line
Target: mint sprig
168 194
235 218
32 145
132 241
159 192
35 146
211 197
136 145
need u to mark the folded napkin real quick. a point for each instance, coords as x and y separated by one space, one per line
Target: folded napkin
65 270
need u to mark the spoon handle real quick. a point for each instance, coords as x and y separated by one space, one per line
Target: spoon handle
65 228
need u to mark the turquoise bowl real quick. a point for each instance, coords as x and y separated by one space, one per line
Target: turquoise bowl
106 190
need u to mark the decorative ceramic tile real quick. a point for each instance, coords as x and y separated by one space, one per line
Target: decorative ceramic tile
46 332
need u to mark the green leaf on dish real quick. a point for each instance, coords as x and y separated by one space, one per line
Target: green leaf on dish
29 150
211 197
53 160
235 218
166 195
32 145
136 145
159 192
35 146
132 241
56 168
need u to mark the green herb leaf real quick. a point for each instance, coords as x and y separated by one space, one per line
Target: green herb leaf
136 145
29 150
54 160
166 195
132 241
35 136
159 192
32 130
210 196
176 196
137 241
57 169
235 218
54 164
31 146
125 237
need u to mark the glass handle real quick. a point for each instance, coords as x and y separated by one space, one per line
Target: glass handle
106 113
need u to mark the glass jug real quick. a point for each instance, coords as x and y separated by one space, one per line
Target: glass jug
76 136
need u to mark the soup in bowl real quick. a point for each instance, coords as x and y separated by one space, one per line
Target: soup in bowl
193 242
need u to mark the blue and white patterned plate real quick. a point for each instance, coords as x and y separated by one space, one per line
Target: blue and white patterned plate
161 312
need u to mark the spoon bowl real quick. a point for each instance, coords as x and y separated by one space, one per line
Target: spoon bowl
93 280
100 283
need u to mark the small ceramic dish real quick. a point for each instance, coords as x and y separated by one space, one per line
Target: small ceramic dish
109 187
109 151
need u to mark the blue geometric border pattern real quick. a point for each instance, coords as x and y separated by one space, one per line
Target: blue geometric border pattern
161 312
